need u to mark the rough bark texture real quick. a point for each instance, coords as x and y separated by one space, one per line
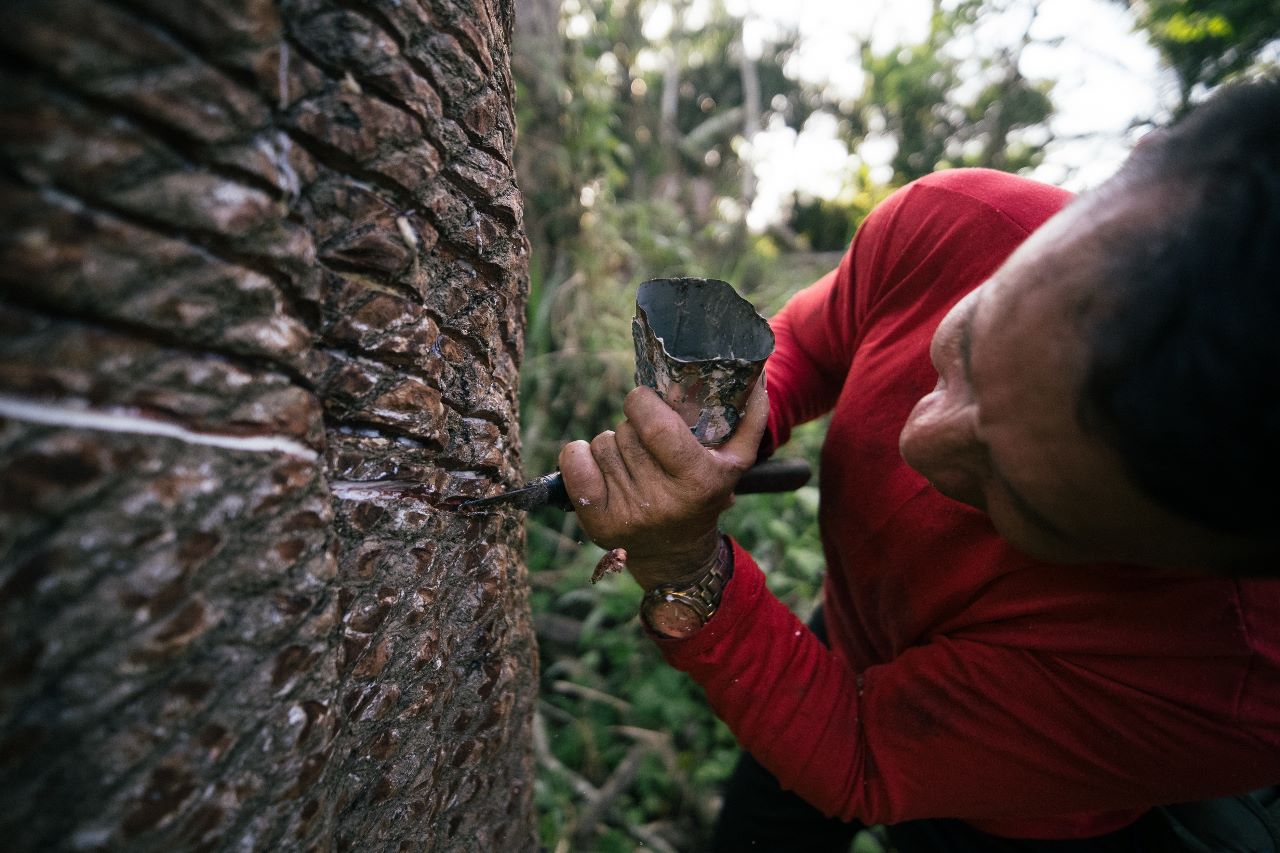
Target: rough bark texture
262 280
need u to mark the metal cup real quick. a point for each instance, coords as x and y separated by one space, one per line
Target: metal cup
702 347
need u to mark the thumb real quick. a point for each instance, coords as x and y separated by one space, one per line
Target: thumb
741 449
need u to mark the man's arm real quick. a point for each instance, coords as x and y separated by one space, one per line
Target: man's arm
809 365
966 728
817 331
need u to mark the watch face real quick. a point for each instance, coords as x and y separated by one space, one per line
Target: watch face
673 618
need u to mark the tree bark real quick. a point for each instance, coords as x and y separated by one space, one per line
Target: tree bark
262 283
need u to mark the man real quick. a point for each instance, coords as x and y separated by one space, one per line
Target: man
1107 396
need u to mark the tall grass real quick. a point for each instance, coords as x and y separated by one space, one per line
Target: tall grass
629 754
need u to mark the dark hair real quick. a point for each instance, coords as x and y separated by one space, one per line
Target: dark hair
1184 379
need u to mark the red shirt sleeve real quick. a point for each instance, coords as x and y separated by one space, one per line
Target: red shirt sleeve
966 728
809 365
816 332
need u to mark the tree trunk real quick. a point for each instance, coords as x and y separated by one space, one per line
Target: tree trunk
750 77
551 182
262 281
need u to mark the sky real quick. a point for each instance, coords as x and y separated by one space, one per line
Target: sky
1106 77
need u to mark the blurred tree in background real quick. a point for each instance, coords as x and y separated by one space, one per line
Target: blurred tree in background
943 110
1209 42
640 155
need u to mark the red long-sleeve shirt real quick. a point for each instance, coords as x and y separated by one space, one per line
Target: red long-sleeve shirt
964 678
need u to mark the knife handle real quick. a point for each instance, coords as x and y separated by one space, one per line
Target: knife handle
557 494
772 475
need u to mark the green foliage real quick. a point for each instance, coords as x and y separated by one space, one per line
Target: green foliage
828 225
916 93
574 390
1208 42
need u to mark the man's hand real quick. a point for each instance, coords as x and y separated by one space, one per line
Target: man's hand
651 488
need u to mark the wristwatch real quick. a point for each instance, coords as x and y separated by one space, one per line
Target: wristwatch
677 611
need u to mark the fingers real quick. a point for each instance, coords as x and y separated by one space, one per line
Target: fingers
667 438
583 479
663 433
604 450
641 466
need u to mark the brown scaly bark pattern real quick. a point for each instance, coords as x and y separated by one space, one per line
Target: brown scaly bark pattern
262 279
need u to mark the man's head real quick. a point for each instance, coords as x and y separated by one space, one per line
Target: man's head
1113 391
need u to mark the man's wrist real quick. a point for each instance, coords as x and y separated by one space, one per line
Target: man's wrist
677 610
681 568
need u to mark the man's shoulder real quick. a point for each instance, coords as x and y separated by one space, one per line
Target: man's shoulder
945 233
1024 202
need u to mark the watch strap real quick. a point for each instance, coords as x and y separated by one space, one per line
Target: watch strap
703 595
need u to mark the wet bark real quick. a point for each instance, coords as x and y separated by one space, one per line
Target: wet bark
262 281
